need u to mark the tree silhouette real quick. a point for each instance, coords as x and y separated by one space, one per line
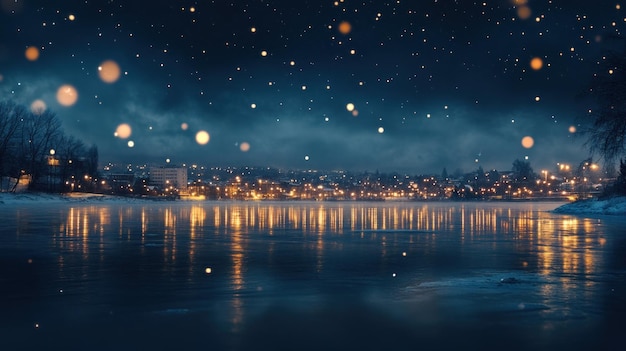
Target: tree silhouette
606 135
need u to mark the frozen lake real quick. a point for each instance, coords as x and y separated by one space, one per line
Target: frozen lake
309 276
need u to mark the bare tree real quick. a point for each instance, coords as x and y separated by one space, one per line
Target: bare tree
11 116
38 132
606 135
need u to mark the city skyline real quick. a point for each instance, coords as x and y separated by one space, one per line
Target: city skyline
393 86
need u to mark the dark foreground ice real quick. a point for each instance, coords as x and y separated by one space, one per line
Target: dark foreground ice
309 276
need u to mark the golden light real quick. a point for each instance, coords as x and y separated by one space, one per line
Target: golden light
52 152
109 71
123 131
67 95
537 98
524 12
184 126
71 17
31 53
292 63
244 147
572 129
344 27
264 53
350 107
536 63
528 142
381 130
38 107
192 9
202 137
131 143
208 270
253 30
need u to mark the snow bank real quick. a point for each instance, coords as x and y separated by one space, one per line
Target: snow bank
611 206
32 198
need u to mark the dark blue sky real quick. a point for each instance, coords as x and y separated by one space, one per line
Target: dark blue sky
436 83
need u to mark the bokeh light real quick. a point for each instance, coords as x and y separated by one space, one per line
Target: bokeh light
109 71
31 53
38 107
71 17
537 98
381 130
350 107
536 63
572 129
131 143
306 158
264 53
202 137
245 146
67 95
344 27
123 131
252 105
184 126
528 142
524 12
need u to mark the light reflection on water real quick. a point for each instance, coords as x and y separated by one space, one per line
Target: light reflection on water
453 264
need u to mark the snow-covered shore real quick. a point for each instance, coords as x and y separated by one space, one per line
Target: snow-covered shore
612 206
30 198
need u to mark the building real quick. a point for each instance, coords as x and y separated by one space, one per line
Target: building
165 177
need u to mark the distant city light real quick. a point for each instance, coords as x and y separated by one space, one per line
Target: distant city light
350 107
244 147
184 126
572 129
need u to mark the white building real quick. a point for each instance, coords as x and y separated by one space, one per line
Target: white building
164 177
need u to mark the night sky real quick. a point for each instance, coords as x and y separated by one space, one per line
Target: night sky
431 83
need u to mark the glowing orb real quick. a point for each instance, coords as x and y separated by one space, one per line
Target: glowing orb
131 143
123 131
537 98
350 107
71 17
208 270
184 126
536 63
253 30
252 105
38 107
52 151
304 87
244 147
344 27
109 71
202 137
67 95
355 113
31 53
524 12
306 158
572 129
381 130
292 63
528 142
263 53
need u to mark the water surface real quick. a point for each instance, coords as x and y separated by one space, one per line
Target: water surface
309 276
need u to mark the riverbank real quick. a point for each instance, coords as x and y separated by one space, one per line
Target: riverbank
611 206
